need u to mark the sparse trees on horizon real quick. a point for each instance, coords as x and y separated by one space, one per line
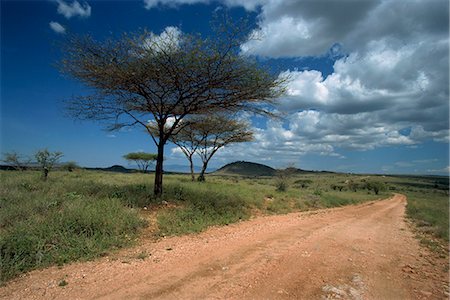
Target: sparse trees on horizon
141 77
15 160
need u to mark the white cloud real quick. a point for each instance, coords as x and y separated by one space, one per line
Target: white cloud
56 27
149 4
249 5
393 78
445 170
73 9
310 28
169 39
389 84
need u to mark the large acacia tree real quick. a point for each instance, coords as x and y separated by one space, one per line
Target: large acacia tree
141 77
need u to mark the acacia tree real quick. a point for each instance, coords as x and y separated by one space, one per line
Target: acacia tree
46 160
142 159
142 77
205 135
15 160
215 132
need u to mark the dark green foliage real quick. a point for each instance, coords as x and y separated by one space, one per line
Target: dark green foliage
281 184
337 187
282 178
70 166
302 183
201 207
142 159
375 186
333 201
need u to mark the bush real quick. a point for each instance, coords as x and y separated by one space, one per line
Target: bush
281 184
201 206
375 186
70 166
303 183
282 178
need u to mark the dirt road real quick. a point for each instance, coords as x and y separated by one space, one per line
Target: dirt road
357 252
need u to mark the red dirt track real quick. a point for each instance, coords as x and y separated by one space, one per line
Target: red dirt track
356 252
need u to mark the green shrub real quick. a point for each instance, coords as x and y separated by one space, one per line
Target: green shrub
279 206
281 184
375 186
201 207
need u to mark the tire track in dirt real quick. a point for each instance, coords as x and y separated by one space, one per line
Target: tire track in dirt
357 252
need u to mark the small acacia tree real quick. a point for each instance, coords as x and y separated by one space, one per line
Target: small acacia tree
142 159
375 186
205 135
47 160
283 177
215 132
142 77
15 160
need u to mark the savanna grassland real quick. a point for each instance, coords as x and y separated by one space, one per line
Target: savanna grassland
85 214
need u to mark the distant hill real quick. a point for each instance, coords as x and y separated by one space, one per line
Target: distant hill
115 168
246 168
301 171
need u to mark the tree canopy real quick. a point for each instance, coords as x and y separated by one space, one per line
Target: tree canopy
142 159
47 159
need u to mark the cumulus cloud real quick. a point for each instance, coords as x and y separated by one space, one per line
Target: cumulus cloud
56 27
74 9
309 28
168 40
389 84
390 89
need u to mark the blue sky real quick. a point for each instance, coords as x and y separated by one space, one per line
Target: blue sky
369 88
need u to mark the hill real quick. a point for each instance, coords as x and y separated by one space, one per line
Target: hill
246 168
115 168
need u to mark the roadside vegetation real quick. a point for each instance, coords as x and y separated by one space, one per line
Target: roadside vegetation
83 214
428 208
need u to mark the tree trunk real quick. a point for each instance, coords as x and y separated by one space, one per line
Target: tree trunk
45 173
158 188
201 177
192 168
